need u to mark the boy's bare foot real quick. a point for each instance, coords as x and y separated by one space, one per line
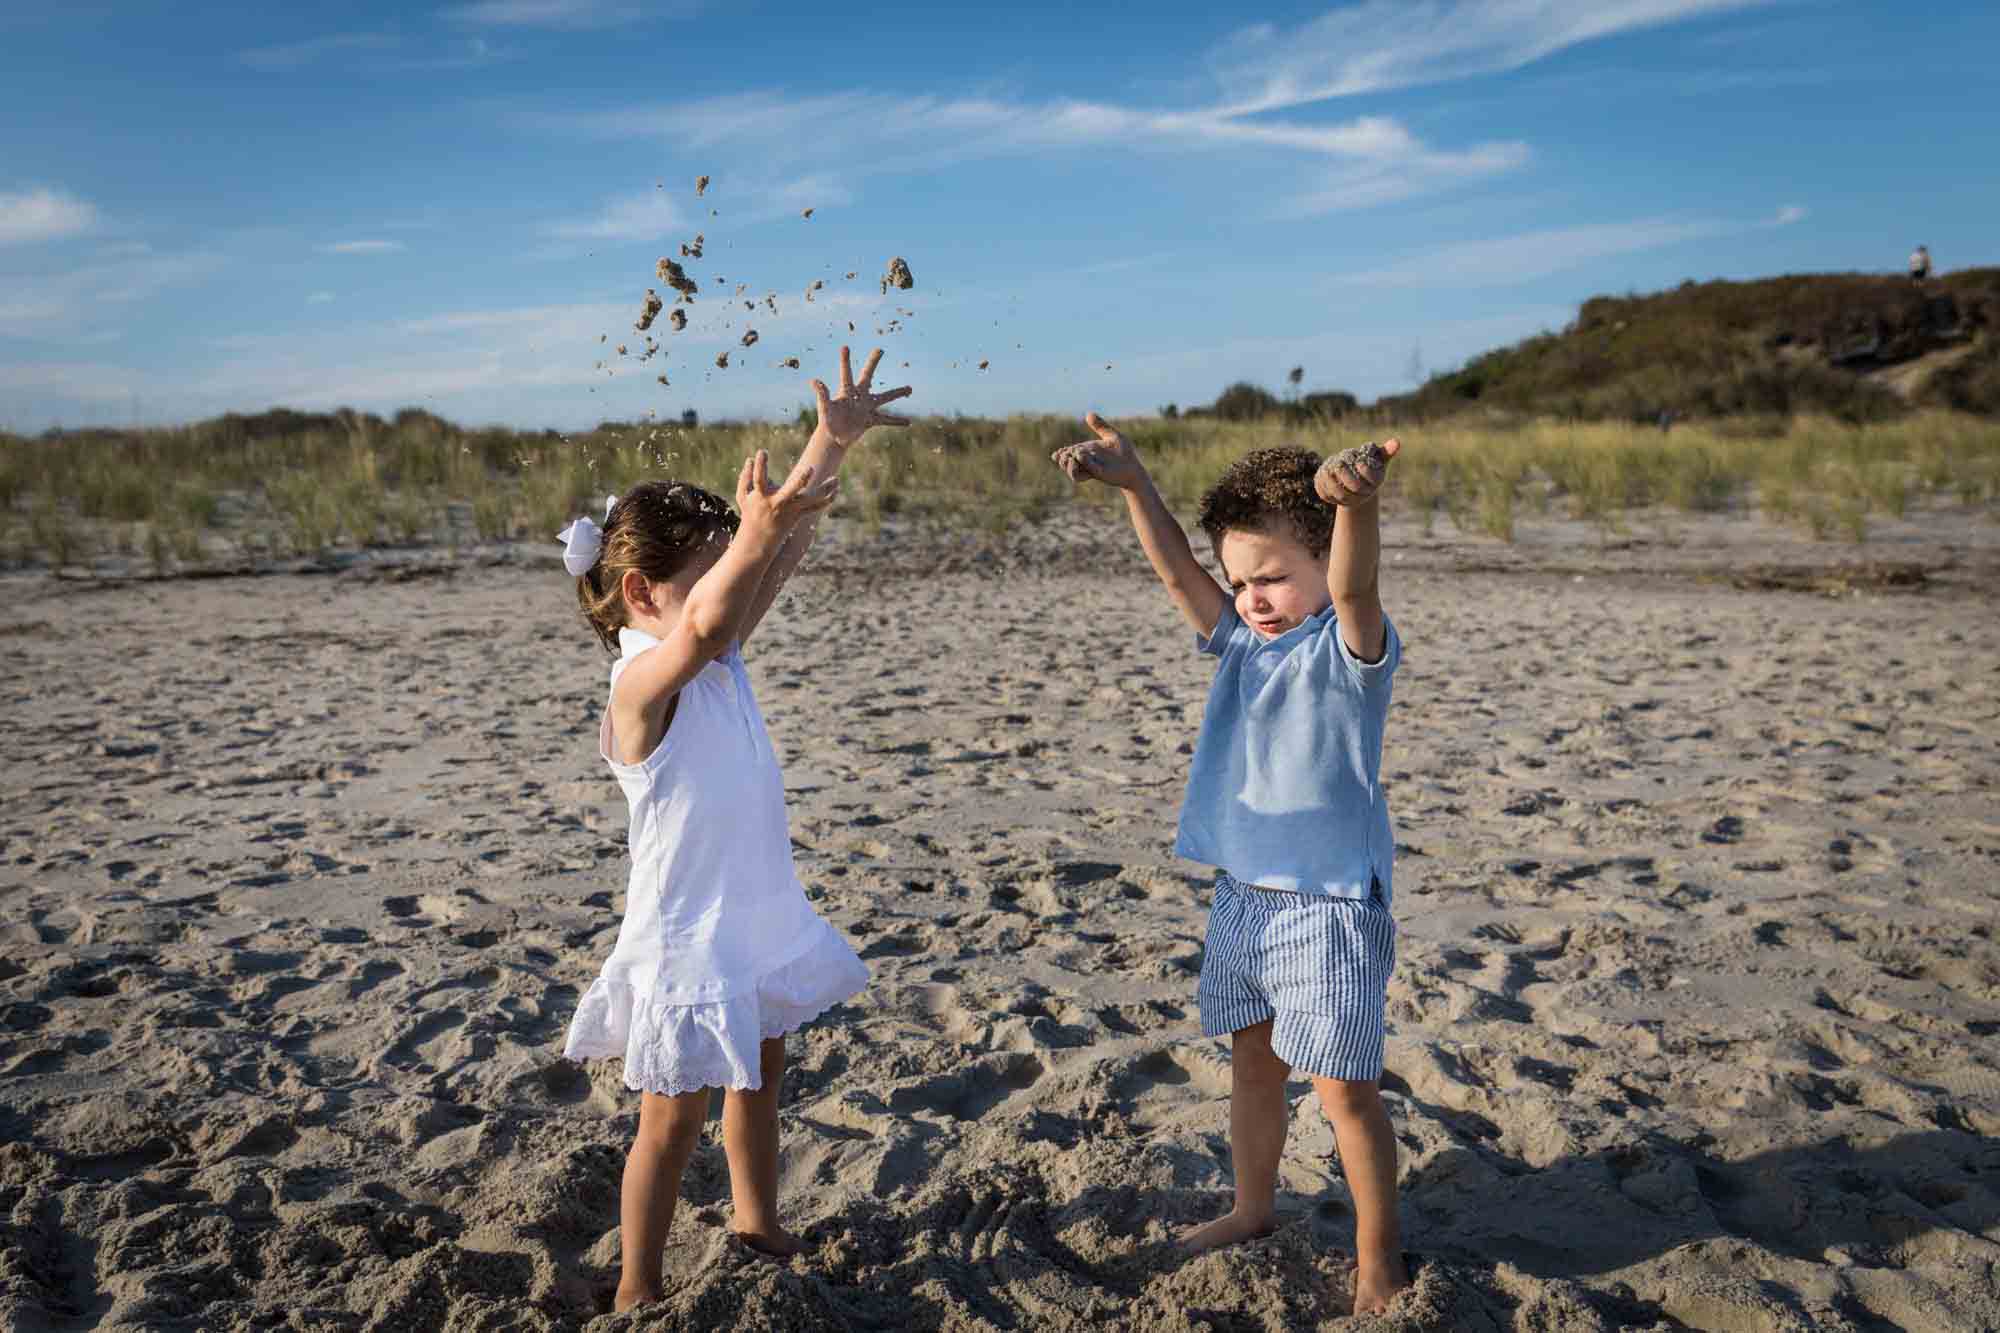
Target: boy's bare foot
628 1297
1232 1228
1375 1287
779 1244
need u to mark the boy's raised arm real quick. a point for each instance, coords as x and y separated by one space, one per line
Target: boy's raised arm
1111 459
1352 480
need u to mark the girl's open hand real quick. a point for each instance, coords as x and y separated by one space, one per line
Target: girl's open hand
848 415
1110 458
1353 476
778 509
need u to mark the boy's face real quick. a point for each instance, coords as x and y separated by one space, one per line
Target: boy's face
1277 582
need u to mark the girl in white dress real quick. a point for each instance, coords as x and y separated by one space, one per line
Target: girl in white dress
719 955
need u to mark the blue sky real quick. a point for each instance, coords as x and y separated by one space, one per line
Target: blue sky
207 207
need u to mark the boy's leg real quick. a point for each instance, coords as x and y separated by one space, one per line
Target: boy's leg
669 1129
750 1138
1258 1118
1368 1157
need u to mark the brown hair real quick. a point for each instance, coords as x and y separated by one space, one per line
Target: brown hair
655 528
1264 488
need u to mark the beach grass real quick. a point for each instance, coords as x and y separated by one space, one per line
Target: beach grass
236 488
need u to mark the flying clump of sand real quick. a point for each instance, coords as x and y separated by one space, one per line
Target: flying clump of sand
670 272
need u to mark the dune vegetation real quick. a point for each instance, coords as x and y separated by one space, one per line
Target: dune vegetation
283 484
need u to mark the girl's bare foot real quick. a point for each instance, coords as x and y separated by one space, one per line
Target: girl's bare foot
778 1244
1232 1228
628 1297
1374 1288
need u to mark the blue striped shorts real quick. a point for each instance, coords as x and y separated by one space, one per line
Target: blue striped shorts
1318 967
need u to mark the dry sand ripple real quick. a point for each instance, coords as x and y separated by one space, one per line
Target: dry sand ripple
1696 1019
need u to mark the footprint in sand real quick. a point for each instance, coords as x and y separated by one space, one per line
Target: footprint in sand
972 1092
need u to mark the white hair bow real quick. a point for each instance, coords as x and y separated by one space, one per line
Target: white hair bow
583 541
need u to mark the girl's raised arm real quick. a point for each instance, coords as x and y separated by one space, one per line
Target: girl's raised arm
712 618
843 419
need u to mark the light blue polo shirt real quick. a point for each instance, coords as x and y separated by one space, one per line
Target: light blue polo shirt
1286 786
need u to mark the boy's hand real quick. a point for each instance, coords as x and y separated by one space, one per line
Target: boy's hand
777 510
1110 458
1353 476
848 416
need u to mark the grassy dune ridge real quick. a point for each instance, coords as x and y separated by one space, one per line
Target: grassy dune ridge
1852 346
289 484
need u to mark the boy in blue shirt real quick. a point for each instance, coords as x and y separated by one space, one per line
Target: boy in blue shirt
1285 799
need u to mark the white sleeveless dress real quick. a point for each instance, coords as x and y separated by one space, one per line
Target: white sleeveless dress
719 948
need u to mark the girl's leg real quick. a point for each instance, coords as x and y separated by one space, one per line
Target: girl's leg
1368 1156
750 1137
669 1129
1258 1119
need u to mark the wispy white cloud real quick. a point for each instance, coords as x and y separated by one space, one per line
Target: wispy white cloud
636 217
379 53
83 382
568 13
469 53
652 215
319 298
369 247
1380 45
43 214
1502 260
89 303
1787 215
1367 160
297 55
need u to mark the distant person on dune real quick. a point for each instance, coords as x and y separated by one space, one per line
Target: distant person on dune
720 955
1920 263
1285 799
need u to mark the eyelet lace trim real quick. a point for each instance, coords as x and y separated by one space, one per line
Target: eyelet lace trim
674 1048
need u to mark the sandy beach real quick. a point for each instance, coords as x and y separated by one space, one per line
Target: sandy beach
1695 1022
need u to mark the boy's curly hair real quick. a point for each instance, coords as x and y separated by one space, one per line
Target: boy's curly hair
655 528
1264 488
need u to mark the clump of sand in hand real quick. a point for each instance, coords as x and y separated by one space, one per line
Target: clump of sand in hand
1363 461
1369 457
653 307
898 276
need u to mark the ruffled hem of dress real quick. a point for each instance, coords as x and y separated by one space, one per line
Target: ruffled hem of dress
675 1048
